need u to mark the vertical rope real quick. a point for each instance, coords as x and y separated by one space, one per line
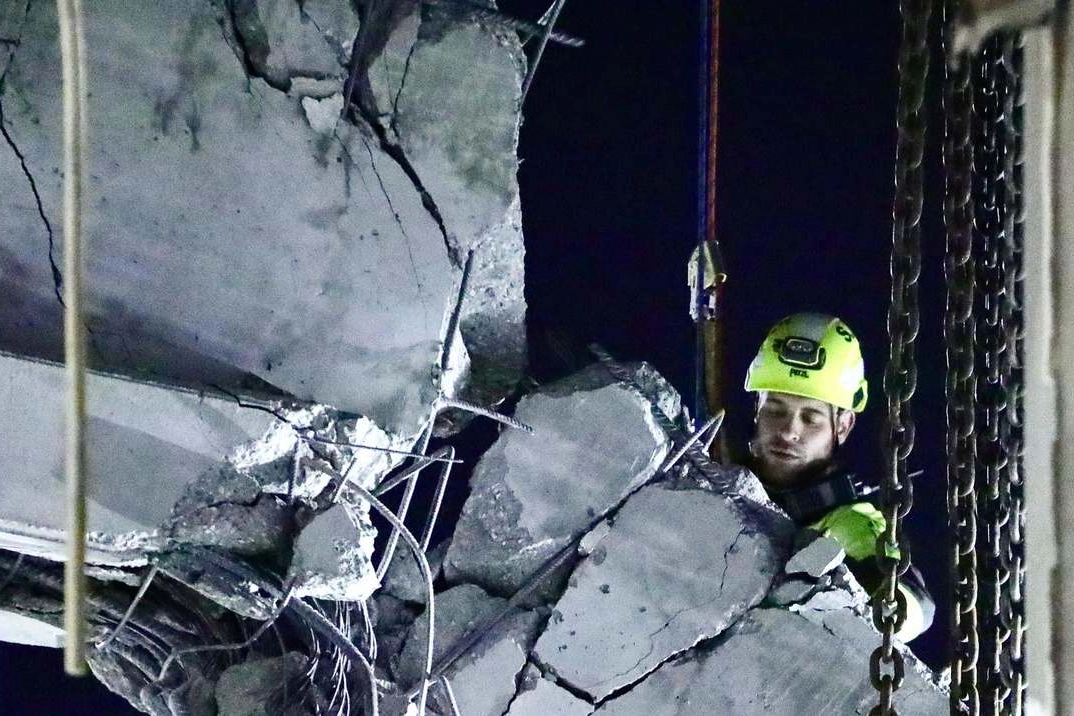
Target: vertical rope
74 139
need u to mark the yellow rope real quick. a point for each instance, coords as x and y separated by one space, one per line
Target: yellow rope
74 136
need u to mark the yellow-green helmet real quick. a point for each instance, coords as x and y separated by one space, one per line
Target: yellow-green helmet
812 355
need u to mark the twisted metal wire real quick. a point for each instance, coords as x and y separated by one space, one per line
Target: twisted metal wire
900 378
959 338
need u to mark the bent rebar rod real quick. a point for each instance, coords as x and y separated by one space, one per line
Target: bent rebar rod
360 446
546 33
404 503
264 627
427 575
476 409
394 482
438 500
142 589
320 623
446 686
714 424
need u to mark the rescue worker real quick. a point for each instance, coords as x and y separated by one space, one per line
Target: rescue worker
809 381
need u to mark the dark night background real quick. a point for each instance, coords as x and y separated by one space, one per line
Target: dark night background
609 192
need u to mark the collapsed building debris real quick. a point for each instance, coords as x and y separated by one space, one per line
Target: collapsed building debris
233 225
686 597
676 589
325 213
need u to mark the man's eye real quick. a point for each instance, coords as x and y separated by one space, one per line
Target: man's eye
811 419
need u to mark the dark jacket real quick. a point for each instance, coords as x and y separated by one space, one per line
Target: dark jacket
834 503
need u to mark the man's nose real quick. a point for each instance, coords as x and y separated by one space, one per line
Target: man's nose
789 430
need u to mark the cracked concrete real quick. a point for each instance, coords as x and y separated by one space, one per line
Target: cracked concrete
593 442
542 697
649 592
483 680
196 145
775 662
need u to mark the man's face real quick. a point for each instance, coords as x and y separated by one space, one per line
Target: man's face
794 434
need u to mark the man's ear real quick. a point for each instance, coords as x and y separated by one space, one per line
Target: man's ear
844 424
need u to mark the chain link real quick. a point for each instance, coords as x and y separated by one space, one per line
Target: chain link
1018 503
998 325
1012 516
900 378
960 337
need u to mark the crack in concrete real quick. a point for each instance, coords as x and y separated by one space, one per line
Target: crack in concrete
671 619
363 107
700 647
559 681
348 165
398 220
332 42
395 152
394 124
376 26
57 275
729 550
519 678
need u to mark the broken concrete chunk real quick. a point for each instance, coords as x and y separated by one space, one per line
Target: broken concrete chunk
229 231
392 618
790 591
592 539
323 114
226 508
484 679
547 699
777 664
678 566
279 40
145 444
819 557
594 441
21 629
333 557
267 687
828 601
404 580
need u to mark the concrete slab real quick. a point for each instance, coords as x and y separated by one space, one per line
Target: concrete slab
146 443
677 566
776 663
594 441
230 236
547 699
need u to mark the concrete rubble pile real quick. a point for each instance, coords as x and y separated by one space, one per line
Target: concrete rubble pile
284 299
255 255
677 591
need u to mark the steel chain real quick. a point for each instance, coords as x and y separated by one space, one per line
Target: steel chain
1018 503
960 336
985 114
1011 514
990 108
900 378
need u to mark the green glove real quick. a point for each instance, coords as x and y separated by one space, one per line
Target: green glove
856 528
